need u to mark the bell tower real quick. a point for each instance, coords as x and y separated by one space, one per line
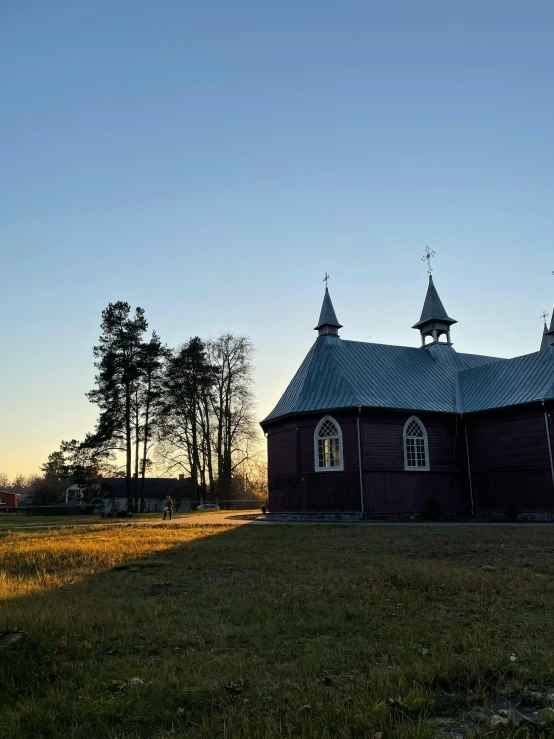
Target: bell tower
434 323
328 324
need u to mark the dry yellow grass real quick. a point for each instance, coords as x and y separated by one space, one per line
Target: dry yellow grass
34 563
147 632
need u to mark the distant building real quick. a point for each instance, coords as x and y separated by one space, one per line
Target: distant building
74 494
114 492
8 500
376 430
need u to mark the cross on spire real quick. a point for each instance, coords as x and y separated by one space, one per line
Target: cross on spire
544 316
326 281
428 254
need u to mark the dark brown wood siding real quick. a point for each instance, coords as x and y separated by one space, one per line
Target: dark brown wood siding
510 461
337 491
282 456
294 485
407 492
389 488
383 442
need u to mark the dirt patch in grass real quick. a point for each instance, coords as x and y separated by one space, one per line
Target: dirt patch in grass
275 631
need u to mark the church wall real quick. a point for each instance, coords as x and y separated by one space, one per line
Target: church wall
389 488
306 429
383 442
282 458
388 493
510 461
294 485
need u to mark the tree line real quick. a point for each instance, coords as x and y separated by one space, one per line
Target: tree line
187 410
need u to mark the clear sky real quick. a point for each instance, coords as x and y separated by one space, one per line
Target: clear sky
210 160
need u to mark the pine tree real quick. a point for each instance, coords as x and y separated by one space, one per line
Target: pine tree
188 381
150 397
118 356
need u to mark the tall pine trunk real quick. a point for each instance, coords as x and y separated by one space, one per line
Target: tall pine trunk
128 449
206 430
220 435
145 445
137 450
195 455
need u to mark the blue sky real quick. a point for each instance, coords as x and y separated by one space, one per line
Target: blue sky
210 160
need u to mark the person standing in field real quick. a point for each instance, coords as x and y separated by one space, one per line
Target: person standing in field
168 507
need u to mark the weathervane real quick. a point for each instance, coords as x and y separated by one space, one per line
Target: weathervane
326 280
544 315
428 254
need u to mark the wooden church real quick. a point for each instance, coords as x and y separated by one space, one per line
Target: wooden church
377 430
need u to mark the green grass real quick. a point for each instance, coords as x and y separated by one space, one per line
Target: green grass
260 631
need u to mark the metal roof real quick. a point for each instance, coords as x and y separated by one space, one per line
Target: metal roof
344 374
327 317
433 309
509 382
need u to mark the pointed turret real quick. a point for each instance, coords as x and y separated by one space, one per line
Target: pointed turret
328 324
434 321
548 336
545 343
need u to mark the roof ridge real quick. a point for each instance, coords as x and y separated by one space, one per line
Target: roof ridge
378 343
549 393
458 391
342 374
500 359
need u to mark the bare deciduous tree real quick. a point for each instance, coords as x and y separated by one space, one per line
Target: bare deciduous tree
209 429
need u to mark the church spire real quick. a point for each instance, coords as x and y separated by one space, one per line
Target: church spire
328 324
548 333
434 321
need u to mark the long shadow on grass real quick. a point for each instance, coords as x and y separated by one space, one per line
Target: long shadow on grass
278 631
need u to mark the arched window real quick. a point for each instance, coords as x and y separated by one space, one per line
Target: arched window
416 447
328 445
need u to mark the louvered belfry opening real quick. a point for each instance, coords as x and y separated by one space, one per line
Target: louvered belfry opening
434 323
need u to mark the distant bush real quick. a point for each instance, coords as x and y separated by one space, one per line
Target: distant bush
431 510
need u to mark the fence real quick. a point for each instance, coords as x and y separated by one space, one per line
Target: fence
232 505
63 510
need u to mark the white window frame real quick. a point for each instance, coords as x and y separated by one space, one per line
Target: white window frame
427 466
340 467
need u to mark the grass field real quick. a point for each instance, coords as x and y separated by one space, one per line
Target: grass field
22 520
282 631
